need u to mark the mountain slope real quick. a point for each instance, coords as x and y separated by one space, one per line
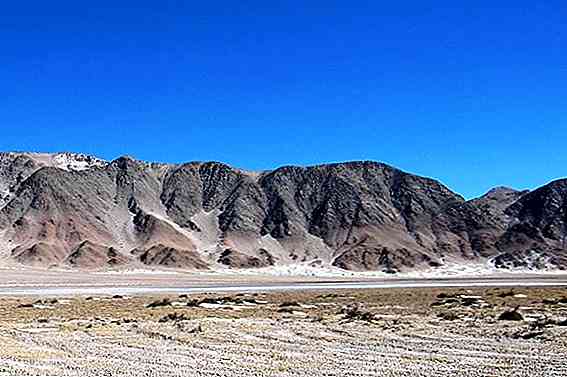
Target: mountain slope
537 235
79 211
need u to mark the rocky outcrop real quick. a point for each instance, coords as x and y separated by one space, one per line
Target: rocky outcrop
235 259
39 255
89 255
164 256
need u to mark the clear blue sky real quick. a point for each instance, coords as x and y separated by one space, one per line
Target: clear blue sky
473 93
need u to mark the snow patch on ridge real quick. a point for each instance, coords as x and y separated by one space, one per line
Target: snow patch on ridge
67 161
77 162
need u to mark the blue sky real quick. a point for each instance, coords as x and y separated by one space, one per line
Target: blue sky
472 93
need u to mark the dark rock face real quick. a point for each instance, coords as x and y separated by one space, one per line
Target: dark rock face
192 188
537 234
356 215
544 209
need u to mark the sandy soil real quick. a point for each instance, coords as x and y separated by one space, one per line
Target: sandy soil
387 332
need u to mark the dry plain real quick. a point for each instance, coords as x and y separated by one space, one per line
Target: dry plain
428 331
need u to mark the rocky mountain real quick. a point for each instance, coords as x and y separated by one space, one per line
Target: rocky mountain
78 211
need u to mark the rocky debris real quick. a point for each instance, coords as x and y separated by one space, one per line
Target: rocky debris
159 303
127 321
550 301
547 322
212 300
329 296
505 294
194 303
82 212
446 301
356 313
511 315
51 301
474 302
527 334
293 306
39 304
287 310
448 316
196 330
554 301
539 329
174 317
225 301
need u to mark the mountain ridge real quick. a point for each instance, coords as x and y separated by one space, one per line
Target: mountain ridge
356 215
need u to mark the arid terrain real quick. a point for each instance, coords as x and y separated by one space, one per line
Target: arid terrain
380 332
75 211
131 268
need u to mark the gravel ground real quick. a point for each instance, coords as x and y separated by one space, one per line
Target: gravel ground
399 332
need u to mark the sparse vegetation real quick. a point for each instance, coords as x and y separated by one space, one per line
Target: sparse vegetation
377 332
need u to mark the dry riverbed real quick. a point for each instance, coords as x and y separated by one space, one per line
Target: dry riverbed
387 332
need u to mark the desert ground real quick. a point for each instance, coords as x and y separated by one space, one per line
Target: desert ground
408 331
68 282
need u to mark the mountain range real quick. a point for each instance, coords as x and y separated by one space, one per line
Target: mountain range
78 211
